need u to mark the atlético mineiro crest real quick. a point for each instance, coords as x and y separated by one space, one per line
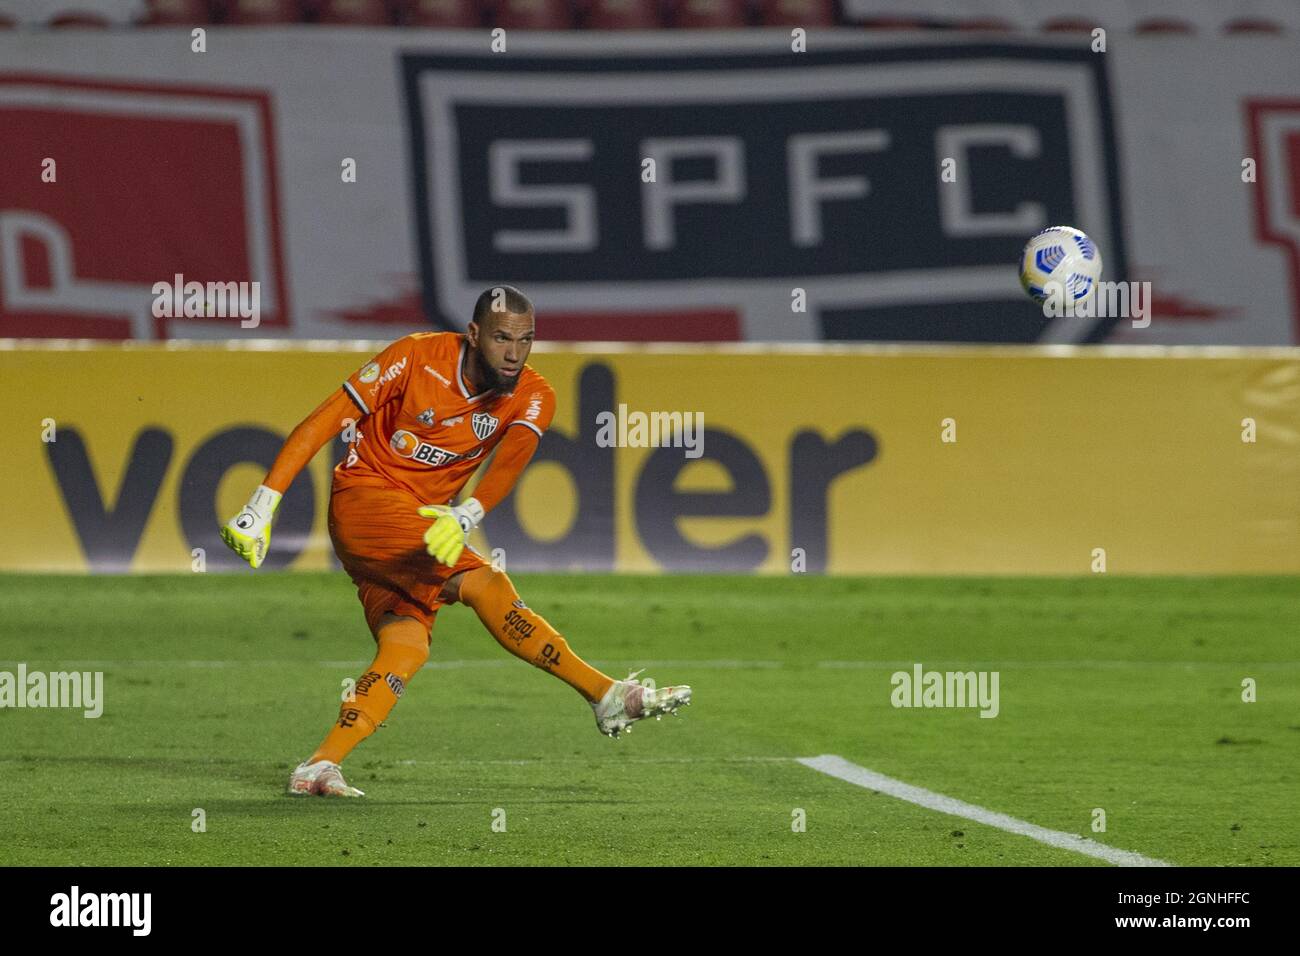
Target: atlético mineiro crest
425 418
483 424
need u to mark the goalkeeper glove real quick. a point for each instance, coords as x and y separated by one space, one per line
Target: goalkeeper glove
445 539
248 533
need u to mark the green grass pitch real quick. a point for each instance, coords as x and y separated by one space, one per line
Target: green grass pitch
1119 694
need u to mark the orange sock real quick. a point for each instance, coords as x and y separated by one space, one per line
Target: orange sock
525 633
403 649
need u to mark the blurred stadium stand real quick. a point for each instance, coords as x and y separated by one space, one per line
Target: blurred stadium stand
622 15
1172 17
444 14
534 15
704 14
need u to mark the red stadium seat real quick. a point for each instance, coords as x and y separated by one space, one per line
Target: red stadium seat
1070 25
362 13
78 18
797 13
1164 25
164 13
624 15
262 12
893 23
533 15
704 14
446 14
1253 26
987 24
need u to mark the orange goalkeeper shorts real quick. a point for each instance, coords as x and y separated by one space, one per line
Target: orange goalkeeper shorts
378 534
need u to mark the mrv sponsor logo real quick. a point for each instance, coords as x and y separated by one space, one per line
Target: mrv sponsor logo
864 193
76 908
79 690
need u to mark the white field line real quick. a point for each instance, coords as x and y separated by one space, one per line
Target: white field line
842 769
970 664
547 761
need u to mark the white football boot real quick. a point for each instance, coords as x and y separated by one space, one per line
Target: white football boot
629 701
323 779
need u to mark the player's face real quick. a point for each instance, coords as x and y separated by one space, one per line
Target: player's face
503 345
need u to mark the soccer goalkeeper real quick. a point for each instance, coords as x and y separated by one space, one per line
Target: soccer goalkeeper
428 409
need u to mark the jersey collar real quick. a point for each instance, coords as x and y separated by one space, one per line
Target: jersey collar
460 375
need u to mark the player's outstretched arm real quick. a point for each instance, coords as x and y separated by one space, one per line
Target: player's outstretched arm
248 533
446 537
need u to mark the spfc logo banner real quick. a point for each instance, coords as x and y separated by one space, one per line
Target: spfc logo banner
823 172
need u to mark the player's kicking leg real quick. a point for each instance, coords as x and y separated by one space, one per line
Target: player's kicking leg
403 649
523 632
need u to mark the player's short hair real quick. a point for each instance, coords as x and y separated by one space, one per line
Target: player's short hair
501 299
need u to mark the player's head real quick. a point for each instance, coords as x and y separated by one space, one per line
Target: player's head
501 335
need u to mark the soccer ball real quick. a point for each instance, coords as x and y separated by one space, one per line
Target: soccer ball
1060 263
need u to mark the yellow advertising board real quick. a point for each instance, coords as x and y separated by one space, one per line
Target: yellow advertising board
846 460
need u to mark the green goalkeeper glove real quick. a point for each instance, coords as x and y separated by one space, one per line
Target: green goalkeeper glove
445 539
248 533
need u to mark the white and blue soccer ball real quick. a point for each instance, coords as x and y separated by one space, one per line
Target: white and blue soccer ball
1060 262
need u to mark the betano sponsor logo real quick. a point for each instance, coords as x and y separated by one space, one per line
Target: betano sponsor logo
408 445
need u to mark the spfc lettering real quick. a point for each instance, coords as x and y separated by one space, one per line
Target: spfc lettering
838 169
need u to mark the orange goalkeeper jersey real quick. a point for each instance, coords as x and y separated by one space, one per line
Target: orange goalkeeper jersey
421 429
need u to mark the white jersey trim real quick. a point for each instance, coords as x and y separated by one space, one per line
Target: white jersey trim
357 398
